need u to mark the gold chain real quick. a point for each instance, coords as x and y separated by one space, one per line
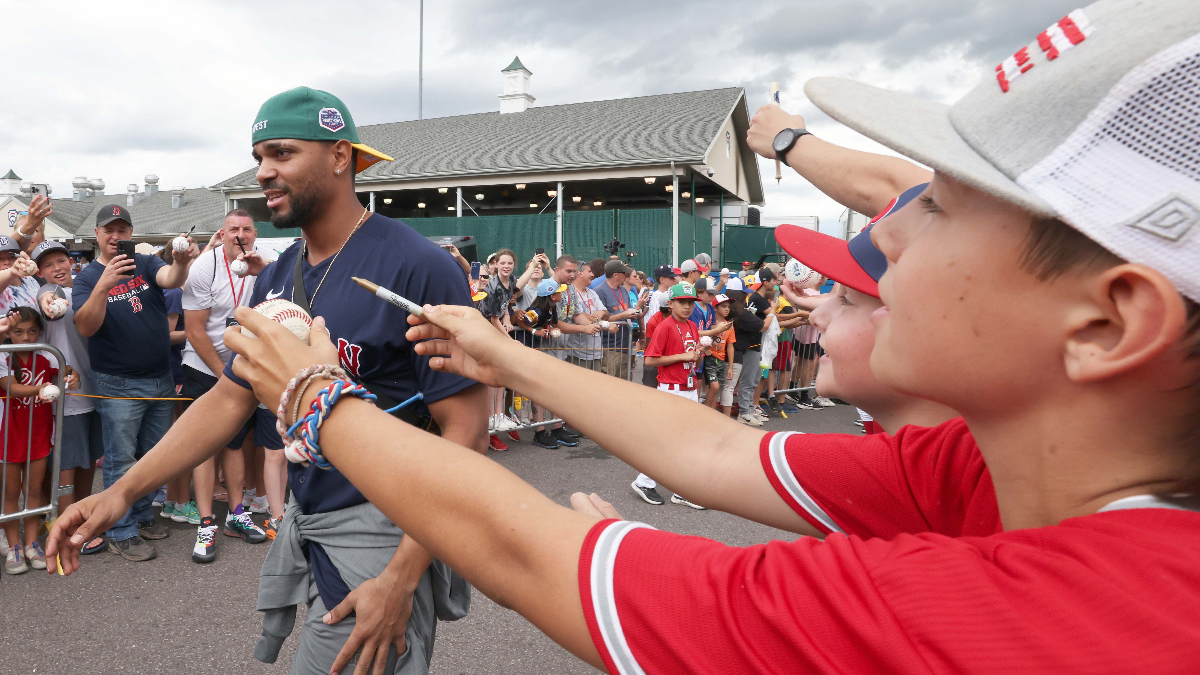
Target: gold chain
357 225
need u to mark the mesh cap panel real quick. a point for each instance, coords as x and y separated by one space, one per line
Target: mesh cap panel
1129 176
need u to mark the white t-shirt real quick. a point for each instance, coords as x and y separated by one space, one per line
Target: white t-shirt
213 286
63 334
658 300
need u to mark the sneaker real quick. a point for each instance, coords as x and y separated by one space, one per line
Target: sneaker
543 439
789 407
35 556
271 527
4 547
134 548
648 495
564 438
858 423
750 421
676 499
153 529
205 550
516 437
760 414
496 444
570 432
773 406
14 562
504 423
160 496
259 505
805 404
168 510
242 525
186 513
492 422
824 402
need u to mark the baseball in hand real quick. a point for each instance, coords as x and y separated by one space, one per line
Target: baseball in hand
180 244
287 313
801 275
604 325
705 340
554 332
24 266
49 393
239 267
56 308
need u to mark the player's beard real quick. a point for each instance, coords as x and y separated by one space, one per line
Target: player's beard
302 202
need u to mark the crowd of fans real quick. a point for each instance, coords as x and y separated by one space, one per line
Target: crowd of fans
143 337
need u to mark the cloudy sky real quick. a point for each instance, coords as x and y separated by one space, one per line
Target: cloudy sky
116 90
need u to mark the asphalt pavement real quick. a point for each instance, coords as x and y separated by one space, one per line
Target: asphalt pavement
170 615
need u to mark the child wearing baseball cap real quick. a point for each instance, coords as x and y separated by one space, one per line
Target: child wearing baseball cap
1064 541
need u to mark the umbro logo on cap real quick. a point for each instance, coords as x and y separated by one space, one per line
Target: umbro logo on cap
331 119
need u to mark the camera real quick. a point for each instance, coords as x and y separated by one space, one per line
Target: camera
614 247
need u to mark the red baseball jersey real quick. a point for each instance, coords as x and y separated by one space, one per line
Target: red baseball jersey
675 337
922 581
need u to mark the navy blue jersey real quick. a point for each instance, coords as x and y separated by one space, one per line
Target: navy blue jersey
368 331
133 341
174 299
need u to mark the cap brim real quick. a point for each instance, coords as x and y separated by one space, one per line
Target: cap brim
918 129
110 219
368 156
828 255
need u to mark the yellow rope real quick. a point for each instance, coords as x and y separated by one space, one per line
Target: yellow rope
131 398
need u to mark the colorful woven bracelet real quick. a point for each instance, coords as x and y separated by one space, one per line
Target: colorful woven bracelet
302 442
296 386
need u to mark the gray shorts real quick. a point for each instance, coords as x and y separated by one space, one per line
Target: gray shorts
82 442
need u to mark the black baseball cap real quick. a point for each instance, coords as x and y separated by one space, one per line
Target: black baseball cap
664 271
616 267
9 245
765 274
46 247
111 212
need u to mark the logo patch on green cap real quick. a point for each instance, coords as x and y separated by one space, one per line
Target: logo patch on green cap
331 119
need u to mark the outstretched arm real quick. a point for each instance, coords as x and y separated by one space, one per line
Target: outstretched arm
861 181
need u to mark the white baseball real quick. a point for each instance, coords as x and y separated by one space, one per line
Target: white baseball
239 267
801 275
289 314
604 325
180 244
705 340
25 267
49 393
56 308
554 332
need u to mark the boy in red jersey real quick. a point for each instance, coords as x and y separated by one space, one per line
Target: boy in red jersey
1064 541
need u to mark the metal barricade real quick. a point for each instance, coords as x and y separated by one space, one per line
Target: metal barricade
9 352
584 351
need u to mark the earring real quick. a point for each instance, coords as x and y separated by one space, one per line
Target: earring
338 172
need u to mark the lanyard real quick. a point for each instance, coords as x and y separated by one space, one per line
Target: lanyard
237 295
587 301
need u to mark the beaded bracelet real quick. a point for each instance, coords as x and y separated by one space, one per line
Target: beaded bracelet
305 446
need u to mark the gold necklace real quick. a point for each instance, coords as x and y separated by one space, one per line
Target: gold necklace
357 225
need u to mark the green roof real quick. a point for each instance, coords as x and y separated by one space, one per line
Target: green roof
517 65
12 176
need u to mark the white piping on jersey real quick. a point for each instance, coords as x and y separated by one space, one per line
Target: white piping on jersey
604 601
1183 503
776 450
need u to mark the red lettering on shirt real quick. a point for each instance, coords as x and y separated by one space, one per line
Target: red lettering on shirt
348 354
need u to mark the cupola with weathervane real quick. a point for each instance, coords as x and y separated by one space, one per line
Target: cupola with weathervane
516 97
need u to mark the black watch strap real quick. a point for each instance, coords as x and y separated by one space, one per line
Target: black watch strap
797 134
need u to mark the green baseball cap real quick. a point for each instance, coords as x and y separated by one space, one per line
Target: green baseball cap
311 115
684 291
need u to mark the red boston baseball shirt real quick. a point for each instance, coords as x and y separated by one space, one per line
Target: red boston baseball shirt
674 337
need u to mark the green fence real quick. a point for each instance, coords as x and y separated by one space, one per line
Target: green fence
523 234
586 232
747 242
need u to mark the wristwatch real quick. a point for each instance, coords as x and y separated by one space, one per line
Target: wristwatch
784 140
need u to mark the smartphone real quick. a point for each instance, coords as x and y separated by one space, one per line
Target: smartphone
540 251
125 247
42 189
475 270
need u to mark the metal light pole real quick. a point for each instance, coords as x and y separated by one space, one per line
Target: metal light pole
421 64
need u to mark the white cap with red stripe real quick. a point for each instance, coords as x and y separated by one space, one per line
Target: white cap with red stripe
1095 122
